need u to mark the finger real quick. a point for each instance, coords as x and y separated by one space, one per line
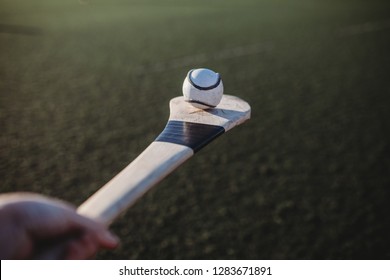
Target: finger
107 239
46 218
103 237
78 246
89 244
83 248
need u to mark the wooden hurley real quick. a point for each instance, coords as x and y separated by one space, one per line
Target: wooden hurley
187 131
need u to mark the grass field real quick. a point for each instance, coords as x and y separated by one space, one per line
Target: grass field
85 86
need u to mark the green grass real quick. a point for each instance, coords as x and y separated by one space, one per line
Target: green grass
84 88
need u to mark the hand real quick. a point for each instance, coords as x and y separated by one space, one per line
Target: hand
36 227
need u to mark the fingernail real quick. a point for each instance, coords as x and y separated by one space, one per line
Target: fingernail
111 238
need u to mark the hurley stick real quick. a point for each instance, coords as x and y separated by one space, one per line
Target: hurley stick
187 131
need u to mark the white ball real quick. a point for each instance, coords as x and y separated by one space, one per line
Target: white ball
203 88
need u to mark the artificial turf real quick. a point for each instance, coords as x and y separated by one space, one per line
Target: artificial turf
85 86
